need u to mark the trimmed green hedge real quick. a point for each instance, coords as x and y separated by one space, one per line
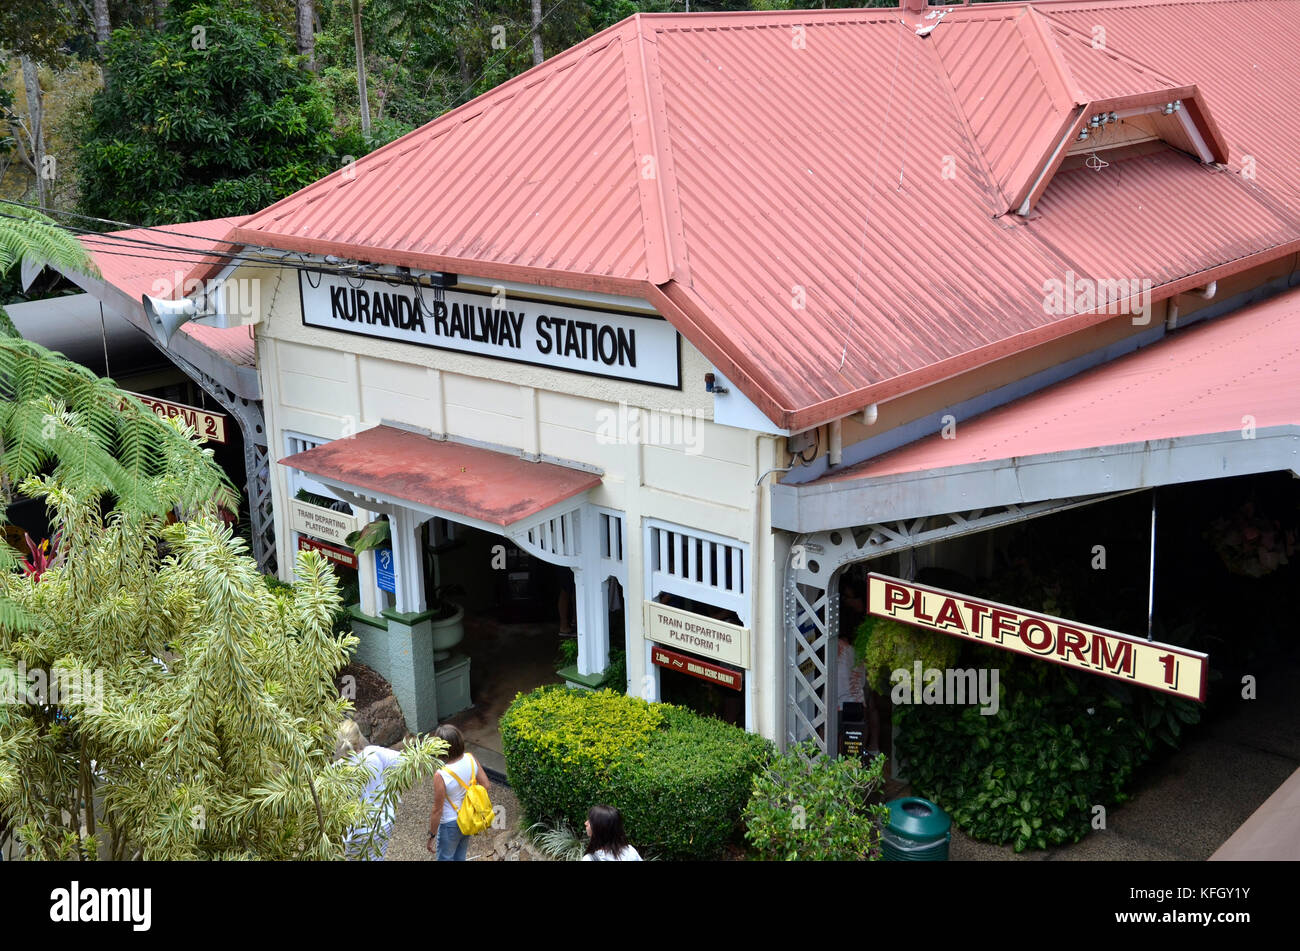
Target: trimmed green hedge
681 780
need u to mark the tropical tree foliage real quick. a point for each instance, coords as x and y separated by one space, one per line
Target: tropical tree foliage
56 417
213 733
208 116
27 235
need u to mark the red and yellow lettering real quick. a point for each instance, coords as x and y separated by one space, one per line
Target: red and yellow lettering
1030 624
1068 639
949 616
895 596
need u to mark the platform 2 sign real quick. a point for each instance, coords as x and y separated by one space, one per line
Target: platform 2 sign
682 663
210 427
1095 650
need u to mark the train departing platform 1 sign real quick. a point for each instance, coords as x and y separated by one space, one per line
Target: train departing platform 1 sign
1151 664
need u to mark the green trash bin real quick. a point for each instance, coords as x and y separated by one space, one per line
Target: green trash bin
917 831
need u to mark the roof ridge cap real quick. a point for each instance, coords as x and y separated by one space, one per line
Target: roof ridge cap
657 193
1034 28
968 132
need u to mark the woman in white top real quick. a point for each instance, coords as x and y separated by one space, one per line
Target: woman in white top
608 842
449 794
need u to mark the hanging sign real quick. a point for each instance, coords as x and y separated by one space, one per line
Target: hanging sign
339 556
385 575
695 667
211 427
320 522
696 633
1163 667
640 348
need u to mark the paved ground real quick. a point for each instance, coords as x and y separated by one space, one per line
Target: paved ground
506 659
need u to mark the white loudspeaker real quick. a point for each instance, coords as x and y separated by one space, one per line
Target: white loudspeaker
166 316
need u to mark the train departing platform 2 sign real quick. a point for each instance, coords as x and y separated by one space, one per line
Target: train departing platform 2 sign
1134 660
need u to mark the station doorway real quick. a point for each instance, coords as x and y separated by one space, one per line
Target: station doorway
519 624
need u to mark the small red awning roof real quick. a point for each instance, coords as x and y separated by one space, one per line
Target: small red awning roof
482 484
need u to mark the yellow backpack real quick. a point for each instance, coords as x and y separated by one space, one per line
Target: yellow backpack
475 813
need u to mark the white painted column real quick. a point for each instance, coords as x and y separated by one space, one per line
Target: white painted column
366 580
590 607
408 562
642 676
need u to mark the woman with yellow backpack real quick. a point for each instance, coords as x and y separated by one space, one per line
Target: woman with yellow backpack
461 806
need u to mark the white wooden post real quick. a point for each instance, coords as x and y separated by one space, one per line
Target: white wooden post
371 602
590 607
408 562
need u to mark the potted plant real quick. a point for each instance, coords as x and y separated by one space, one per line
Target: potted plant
448 621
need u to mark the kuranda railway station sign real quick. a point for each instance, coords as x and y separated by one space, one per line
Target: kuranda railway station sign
634 347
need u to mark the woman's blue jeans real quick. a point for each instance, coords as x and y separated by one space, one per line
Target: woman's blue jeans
452 843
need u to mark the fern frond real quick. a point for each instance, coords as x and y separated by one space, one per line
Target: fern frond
28 235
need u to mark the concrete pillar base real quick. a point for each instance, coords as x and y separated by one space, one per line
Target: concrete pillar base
410 662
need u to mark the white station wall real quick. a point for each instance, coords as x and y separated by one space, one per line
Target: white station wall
326 384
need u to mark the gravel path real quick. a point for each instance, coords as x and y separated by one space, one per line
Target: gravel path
504 843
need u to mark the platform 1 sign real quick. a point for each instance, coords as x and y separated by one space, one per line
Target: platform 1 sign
674 627
1163 667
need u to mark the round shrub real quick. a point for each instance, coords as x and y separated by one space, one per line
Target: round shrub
680 779
1061 743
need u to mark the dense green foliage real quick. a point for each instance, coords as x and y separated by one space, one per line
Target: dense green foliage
1061 743
184 133
210 729
885 646
809 807
680 780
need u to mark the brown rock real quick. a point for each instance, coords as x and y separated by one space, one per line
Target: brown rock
387 725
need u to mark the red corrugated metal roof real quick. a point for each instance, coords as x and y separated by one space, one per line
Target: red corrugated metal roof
157 261
1016 104
1213 378
1243 55
725 166
1099 71
479 483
